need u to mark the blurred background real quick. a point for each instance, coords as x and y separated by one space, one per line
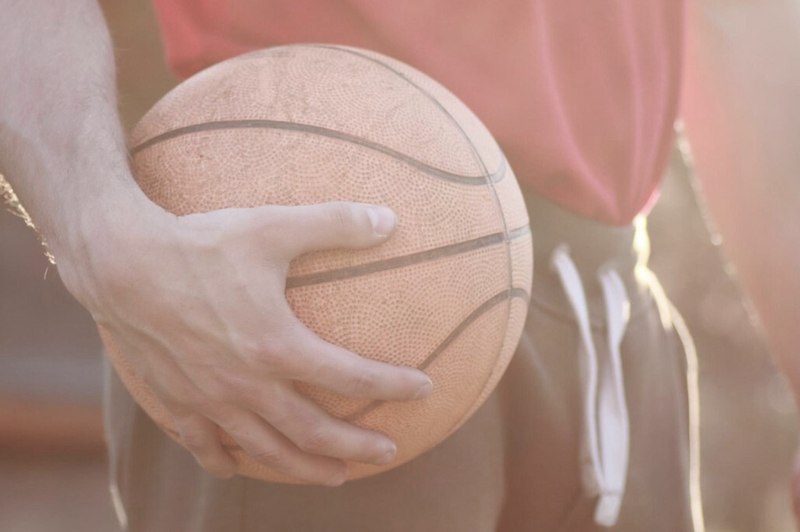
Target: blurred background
52 461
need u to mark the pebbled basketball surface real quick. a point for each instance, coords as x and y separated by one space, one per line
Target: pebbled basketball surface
303 124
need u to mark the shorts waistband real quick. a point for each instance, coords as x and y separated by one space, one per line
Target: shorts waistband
593 247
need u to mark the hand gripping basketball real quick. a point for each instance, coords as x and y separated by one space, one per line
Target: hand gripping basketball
196 305
294 127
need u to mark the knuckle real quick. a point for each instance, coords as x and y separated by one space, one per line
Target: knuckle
271 403
272 353
186 395
216 462
227 387
215 392
272 457
363 383
202 236
239 427
203 404
195 443
343 216
316 441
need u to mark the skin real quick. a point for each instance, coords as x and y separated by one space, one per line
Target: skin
231 360
178 294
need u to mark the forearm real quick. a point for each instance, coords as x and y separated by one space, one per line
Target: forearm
741 107
61 144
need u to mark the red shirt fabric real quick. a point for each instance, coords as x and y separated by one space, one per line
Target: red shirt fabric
581 95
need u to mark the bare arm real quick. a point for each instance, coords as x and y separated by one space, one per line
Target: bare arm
227 358
58 122
741 107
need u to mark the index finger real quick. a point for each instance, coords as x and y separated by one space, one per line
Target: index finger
323 364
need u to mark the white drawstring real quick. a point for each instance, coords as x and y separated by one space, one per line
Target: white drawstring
571 281
605 444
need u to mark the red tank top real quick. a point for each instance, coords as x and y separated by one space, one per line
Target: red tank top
582 95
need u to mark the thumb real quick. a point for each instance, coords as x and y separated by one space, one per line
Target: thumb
307 228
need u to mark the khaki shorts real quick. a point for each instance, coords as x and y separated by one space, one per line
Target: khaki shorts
515 466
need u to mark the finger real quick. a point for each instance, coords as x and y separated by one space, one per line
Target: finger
342 372
315 431
268 446
333 225
201 437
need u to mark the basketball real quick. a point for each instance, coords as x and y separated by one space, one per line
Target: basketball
304 124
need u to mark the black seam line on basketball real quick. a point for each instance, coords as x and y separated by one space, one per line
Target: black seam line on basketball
486 306
324 132
402 261
475 153
519 232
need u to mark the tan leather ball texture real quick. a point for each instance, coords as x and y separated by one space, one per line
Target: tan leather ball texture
304 124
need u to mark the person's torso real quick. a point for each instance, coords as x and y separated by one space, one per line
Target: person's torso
582 96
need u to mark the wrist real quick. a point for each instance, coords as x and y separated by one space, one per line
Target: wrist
93 248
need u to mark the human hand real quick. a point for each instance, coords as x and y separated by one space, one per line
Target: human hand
196 304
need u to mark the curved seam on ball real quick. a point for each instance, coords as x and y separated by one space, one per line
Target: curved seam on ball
280 125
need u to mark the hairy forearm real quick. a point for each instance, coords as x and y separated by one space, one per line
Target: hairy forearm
742 112
61 144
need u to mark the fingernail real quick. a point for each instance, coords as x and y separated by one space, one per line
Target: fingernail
339 479
388 456
424 390
383 220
